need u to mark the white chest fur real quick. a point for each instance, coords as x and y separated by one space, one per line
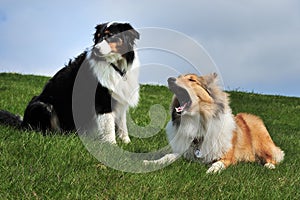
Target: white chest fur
123 89
216 137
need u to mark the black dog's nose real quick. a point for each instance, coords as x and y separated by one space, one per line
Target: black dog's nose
171 80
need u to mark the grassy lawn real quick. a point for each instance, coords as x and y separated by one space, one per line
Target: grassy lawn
33 166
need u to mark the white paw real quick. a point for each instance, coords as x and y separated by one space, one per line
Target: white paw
146 162
269 166
171 157
168 158
216 167
125 139
109 140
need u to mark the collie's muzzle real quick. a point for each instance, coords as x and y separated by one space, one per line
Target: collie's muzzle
103 47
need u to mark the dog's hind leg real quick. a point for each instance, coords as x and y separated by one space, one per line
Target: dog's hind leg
40 116
272 156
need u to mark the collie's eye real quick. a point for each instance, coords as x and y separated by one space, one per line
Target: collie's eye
109 34
208 91
192 80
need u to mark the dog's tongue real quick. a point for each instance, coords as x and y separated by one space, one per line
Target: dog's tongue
180 108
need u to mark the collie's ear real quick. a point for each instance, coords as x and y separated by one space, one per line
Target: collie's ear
100 26
211 78
213 75
133 33
99 29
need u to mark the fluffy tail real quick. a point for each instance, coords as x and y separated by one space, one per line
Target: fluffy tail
7 118
278 154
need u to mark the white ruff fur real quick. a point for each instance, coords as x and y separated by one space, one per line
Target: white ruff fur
125 90
216 137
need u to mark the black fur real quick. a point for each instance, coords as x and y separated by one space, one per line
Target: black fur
52 109
8 118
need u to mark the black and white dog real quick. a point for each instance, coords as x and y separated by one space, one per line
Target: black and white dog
113 63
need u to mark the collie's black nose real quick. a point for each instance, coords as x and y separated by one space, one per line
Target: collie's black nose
171 80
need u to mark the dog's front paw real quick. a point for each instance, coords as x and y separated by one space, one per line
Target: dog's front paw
171 158
216 167
166 159
125 138
109 140
147 162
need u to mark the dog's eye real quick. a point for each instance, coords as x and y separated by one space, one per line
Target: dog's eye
192 80
208 91
108 34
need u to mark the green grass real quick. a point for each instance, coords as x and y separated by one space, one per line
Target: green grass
33 166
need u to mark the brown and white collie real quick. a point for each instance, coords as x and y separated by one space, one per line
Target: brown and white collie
204 129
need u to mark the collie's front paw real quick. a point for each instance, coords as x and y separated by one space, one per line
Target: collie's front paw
109 140
125 138
166 159
147 162
216 167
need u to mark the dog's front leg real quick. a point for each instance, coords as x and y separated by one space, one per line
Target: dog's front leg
168 158
122 128
106 127
223 163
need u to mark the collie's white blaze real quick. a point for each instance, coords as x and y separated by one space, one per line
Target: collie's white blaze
103 47
124 89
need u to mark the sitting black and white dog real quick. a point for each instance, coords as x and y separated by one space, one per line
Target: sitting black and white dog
113 62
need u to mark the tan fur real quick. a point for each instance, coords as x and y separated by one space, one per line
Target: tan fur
251 142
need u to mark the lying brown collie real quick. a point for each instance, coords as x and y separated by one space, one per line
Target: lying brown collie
204 129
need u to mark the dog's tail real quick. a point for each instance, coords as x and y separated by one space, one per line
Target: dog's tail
278 154
7 118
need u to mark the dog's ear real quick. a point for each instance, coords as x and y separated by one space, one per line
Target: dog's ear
211 78
209 81
99 30
132 32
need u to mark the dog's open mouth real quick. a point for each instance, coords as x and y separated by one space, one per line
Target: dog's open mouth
183 97
182 108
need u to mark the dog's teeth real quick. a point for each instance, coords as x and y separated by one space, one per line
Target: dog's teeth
179 109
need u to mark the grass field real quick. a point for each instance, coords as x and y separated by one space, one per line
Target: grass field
33 166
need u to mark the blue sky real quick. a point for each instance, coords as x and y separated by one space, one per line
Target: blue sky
255 44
